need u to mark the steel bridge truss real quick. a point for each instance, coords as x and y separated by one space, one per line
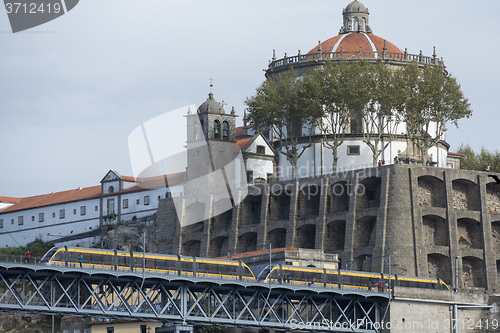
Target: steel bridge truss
188 300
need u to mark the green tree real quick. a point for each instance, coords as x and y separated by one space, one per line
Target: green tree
286 107
381 119
478 161
328 88
37 248
431 99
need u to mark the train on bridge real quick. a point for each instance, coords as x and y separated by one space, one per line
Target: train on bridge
230 269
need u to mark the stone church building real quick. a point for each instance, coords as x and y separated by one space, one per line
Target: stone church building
432 220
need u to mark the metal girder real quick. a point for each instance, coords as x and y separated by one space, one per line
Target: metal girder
187 300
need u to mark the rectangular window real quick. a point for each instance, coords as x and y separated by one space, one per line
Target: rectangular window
353 150
20 220
33 218
146 200
143 328
12 221
269 177
249 176
83 210
125 203
53 215
96 208
111 206
261 150
41 217
1 223
74 211
110 330
62 213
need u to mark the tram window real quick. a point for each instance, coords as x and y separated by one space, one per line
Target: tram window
123 261
58 256
95 258
171 264
150 263
187 266
108 259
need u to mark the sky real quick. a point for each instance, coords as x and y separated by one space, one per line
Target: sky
73 89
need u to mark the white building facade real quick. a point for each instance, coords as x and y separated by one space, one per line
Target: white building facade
75 217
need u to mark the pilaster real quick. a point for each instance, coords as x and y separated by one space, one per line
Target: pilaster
489 254
451 217
320 225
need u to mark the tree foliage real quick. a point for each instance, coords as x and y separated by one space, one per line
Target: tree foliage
286 107
328 88
208 329
478 161
431 99
37 248
332 98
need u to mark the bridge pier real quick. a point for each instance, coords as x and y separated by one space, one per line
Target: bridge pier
175 329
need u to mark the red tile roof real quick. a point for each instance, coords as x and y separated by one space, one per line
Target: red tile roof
157 182
91 192
351 42
55 198
9 199
243 142
455 154
241 131
259 253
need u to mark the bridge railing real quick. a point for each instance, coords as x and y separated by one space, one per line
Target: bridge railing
19 259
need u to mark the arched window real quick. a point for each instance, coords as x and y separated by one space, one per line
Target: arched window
225 130
217 129
355 24
111 189
348 24
363 24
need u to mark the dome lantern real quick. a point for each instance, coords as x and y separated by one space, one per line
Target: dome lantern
355 18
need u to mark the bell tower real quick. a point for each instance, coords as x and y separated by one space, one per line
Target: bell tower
211 138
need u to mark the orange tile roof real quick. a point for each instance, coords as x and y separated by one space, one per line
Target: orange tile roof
9 199
91 192
455 154
259 253
130 179
157 182
243 142
55 198
352 41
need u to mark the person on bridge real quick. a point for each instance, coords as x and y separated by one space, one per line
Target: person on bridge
80 260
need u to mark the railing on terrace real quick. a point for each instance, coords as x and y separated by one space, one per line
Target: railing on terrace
356 55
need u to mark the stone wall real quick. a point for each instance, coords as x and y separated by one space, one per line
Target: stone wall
431 221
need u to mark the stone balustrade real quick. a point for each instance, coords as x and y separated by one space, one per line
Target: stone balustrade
404 57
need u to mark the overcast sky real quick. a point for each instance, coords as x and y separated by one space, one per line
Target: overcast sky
72 90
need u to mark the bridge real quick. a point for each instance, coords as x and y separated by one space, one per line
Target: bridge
179 299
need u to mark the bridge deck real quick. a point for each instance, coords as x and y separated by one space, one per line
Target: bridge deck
187 299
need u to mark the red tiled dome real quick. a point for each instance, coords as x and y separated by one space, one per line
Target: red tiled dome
351 42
